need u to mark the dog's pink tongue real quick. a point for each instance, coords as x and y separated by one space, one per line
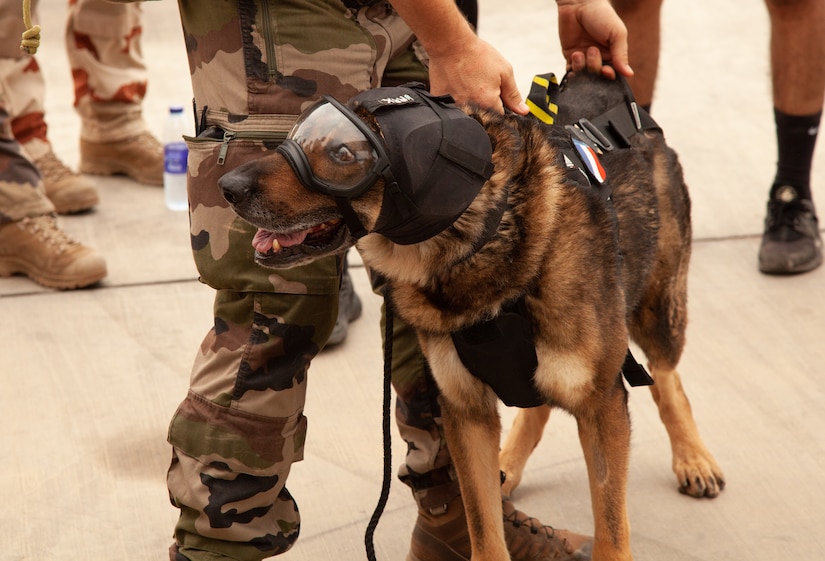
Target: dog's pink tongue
265 240
286 240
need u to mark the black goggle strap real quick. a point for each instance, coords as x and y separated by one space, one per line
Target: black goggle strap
401 201
350 217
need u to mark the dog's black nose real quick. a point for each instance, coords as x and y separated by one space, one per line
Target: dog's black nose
235 187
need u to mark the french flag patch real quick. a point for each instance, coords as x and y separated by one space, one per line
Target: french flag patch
591 160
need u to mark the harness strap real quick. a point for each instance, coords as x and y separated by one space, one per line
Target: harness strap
501 352
491 223
619 124
542 98
612 129
635 374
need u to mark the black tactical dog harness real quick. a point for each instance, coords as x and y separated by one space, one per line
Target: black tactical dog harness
501 351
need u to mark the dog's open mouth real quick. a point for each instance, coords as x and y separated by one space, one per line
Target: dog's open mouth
280 250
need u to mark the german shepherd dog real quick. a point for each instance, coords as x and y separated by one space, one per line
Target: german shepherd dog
593 273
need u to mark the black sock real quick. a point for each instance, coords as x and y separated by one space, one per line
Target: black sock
795 140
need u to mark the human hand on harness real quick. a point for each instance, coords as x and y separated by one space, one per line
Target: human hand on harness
472 70
592 35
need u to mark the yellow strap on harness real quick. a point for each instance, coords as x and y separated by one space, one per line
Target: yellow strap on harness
542 98
31 37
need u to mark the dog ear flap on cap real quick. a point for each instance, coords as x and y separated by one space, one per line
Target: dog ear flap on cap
440 157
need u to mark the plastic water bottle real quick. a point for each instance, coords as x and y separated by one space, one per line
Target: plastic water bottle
175 155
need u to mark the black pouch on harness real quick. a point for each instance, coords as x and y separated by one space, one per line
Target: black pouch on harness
501 353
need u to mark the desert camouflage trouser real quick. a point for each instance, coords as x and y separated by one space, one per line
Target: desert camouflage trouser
241 426
21 190
103 46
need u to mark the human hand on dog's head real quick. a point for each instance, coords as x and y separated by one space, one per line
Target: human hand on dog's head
592 35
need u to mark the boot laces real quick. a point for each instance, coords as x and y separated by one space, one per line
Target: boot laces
52 168
519 519
45 229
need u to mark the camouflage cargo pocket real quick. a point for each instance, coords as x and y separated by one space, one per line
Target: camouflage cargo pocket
221 241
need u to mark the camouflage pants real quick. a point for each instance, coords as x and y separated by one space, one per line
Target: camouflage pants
103 46
242 425
21 191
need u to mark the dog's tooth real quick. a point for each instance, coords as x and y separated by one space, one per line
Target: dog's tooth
276 247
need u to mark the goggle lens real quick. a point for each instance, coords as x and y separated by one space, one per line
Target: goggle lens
338 152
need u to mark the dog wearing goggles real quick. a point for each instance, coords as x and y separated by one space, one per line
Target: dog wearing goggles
473 216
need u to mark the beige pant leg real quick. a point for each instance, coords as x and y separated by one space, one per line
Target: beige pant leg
110 78
21 191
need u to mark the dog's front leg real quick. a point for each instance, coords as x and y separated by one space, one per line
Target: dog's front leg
472 429
604 432
472 437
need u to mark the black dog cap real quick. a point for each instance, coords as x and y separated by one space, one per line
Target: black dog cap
439 156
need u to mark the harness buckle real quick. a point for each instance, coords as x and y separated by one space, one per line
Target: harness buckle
595 135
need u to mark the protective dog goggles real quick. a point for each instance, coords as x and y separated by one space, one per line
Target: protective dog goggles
334 152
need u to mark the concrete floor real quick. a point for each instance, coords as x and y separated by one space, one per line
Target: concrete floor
92 377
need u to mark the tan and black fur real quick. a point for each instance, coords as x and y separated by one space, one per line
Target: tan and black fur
589 288
656 324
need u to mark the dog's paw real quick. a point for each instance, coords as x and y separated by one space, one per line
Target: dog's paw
699 476
511 480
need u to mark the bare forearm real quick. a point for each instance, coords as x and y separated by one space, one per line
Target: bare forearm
438 24
461 63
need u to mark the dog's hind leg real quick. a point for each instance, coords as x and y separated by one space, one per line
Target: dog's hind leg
696 470
524 436
658 327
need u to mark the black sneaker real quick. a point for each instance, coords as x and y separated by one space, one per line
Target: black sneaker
791 243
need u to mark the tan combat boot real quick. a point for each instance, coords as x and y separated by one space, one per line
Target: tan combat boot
37 248
140 157
444 537
68 191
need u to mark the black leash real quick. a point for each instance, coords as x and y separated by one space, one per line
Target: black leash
385 485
